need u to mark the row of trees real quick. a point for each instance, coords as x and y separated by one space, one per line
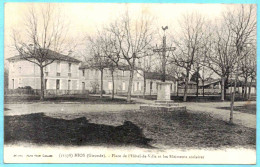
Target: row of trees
121 45
227 47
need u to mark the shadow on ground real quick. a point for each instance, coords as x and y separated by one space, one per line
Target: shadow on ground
41 129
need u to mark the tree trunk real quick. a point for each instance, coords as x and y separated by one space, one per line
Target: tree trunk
245 96
186 87
233 95
203 89
197 83
177 89
249 91
101 83
144 85
130 86
113 84
222 88
226 86
42 84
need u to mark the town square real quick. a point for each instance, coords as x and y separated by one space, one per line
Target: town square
126 82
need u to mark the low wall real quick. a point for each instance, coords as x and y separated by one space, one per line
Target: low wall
206 91
49 92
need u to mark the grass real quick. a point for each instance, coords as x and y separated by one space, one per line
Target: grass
62 99
248 108
142 129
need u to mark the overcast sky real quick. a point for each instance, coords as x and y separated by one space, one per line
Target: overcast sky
85 18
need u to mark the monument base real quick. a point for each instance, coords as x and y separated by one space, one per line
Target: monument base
164 107
164 102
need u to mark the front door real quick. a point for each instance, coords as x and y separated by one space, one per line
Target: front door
13 83
83 86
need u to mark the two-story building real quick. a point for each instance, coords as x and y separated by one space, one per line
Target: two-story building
91 79
62 74
68 73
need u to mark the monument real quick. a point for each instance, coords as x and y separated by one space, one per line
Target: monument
164 102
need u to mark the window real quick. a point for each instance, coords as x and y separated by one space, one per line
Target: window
138 86
19 80
123 86
58 67
57 84
83 85
69 67
46 83
69 84
151 85
110 86
83 72
171 86
13 83
138 74
47 68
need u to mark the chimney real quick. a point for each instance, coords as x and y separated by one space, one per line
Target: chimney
70 52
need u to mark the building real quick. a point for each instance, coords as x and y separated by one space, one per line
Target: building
68 74
62 74
90 79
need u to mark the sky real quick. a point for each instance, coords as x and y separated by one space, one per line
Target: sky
85 18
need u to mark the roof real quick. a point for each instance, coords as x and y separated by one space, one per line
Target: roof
121 66
51 55
206 83
157 76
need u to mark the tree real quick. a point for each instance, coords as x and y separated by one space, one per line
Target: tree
132 39
242 23
178 74
98 59
45 32
195 78
188 45
6 79
220 55
145 65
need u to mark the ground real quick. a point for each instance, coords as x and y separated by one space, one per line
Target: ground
204 125
63 99
249 109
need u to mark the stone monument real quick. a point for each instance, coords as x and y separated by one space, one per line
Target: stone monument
164 102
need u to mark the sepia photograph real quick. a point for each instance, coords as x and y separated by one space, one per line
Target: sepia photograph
130 83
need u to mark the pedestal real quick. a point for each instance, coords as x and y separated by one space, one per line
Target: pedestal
164 102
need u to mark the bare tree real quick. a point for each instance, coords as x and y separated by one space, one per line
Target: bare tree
242 24
145 66
178 74
98 59
188 44
132 37
220 56
45 32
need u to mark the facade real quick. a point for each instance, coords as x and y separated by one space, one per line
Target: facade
69 74
62 74
90 79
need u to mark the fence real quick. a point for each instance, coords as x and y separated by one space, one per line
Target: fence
206 91
49 92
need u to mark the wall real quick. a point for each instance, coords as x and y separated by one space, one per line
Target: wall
29 75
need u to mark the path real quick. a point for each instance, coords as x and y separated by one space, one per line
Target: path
248 120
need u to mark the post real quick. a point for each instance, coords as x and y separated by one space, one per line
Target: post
164 59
